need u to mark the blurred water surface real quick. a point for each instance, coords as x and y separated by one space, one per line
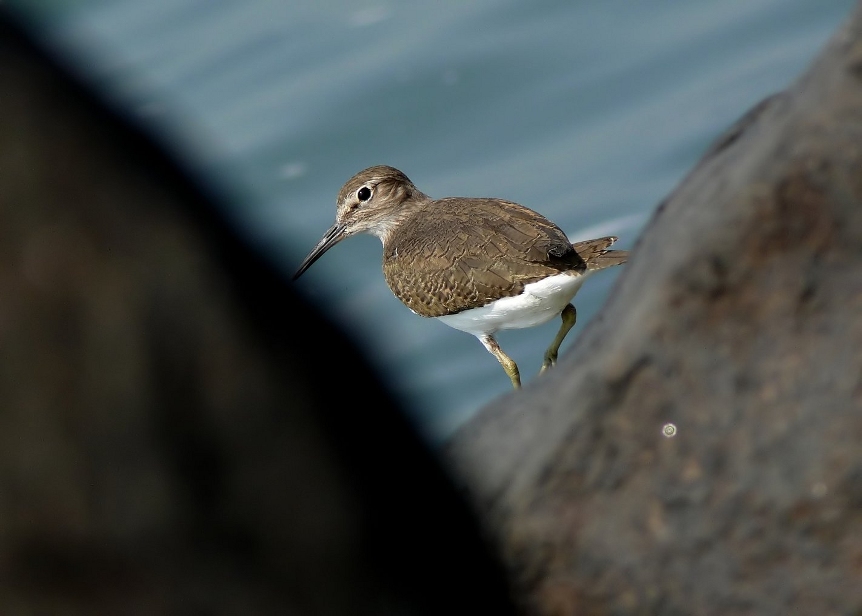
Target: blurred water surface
589 112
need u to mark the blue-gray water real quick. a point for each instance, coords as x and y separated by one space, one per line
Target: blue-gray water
589 112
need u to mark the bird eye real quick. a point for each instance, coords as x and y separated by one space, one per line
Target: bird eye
364 193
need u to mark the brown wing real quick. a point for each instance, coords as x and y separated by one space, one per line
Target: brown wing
465 253
596 254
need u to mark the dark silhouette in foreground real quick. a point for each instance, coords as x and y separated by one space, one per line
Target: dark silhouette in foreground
165 447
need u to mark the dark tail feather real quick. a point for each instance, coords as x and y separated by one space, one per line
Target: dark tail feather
596 255
609 259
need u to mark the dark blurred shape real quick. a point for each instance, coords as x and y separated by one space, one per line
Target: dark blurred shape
739 320
179 434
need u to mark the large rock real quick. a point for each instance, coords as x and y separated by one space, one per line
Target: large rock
179 434
739 320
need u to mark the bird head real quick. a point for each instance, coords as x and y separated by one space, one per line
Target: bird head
372 201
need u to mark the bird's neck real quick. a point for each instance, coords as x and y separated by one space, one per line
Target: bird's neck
388 221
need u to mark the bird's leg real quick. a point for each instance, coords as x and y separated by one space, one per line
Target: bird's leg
507 362
569 316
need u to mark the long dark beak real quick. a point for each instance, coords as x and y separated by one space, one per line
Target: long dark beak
334 235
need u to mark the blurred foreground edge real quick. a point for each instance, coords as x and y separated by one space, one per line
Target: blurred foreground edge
179 433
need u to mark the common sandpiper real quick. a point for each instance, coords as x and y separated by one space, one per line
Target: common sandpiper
479 265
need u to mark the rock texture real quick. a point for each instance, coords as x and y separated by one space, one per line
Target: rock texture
179 434
739 320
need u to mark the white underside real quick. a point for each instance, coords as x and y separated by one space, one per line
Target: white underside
539 303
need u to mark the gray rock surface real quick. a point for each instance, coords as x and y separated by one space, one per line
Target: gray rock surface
739 320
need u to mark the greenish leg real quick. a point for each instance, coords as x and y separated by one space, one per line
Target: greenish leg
507 362
569 316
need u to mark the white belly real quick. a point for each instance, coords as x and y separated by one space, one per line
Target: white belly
539 303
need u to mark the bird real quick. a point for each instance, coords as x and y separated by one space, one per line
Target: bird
479 265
